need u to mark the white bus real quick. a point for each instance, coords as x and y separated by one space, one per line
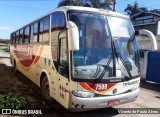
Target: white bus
81 57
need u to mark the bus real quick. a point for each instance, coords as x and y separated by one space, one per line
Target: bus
81 57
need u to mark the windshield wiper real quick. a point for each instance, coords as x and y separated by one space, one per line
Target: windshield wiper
104 70
123 62
117 54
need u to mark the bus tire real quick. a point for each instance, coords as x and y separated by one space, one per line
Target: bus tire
15 67
45 89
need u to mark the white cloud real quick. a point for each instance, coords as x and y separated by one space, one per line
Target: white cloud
6 28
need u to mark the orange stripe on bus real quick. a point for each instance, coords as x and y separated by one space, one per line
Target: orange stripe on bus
38 55
103 92
85 86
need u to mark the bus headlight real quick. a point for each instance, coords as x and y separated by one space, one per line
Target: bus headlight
83 94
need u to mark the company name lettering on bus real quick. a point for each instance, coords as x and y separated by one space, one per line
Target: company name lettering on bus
63 89
23 51
131 83
115 80
63 92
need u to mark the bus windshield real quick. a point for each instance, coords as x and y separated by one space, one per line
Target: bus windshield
94 59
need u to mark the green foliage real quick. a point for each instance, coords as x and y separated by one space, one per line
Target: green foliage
134 9
102 4
12 100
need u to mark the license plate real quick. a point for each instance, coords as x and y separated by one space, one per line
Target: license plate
113 102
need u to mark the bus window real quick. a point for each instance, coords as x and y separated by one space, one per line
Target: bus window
11 40
41 32
26 35
14 38
17 37
46 25
35 32
63 60
21 36
57 23
58 20
31 34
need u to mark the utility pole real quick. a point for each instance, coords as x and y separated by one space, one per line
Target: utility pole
112 2
114 5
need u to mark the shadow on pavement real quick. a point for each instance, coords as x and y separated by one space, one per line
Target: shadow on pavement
4 57
150 85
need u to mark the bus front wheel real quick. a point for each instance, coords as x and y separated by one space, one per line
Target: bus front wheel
45 89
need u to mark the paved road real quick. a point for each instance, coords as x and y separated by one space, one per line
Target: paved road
149 98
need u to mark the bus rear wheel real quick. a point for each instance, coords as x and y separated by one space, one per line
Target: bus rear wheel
45 89
15 67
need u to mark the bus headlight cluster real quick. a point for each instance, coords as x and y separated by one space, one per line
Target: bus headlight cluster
83 94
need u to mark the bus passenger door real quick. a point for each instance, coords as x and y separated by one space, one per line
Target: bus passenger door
63 77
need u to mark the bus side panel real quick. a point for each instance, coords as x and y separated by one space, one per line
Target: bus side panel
54 50
63 90
36 53
45 65
25 57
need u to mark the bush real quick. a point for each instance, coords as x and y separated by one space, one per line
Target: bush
13 101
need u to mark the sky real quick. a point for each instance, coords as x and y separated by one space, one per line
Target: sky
17 13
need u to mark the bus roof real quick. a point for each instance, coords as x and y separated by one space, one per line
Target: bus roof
66 8
109 12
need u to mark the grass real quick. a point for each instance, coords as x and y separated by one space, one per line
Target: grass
13 101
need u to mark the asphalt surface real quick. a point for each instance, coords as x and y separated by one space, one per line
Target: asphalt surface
147 101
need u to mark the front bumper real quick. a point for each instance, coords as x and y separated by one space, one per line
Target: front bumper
101 102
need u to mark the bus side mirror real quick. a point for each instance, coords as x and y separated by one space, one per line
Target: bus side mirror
136 32
73 36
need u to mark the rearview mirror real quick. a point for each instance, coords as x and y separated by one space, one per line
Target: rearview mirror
73 36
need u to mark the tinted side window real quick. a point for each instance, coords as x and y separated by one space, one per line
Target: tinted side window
31 34
58 20
26 35
17 37
46 25
35 32
44 30
11 40
21 36
14 38
41 32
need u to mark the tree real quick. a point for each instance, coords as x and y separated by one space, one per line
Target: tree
103 4
70 3
134 9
